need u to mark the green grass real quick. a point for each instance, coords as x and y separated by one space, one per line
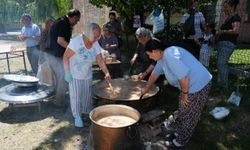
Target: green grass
231 133
240 56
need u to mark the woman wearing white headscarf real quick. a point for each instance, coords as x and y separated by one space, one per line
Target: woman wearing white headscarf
81 52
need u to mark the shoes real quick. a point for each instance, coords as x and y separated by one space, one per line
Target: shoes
172 144
171 136
79 122
167 128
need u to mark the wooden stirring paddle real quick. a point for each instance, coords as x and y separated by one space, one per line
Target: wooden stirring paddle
112 89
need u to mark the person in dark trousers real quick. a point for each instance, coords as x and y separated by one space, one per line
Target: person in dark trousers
60 34
191 40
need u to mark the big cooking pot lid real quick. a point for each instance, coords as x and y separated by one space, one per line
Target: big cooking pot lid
21 79
126 90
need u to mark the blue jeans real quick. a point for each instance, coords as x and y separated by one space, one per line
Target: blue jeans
225 49
33 57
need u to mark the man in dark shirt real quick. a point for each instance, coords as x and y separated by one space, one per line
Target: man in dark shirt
60 34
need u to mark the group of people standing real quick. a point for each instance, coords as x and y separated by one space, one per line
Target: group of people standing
71 61
185 66
224 40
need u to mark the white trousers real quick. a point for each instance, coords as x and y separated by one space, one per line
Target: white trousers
80 92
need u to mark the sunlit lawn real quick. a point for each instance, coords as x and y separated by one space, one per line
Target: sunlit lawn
232 132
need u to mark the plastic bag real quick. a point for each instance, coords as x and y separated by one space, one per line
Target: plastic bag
149 19
136 21
234 98
158 23
44 73
220 112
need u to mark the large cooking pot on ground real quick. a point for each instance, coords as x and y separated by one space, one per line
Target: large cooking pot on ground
128 92
114 127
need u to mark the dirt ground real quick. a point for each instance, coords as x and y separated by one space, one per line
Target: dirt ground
26 128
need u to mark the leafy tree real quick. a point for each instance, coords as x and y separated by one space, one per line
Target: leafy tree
127 8
11 10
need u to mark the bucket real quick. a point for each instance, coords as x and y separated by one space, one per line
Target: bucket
114 127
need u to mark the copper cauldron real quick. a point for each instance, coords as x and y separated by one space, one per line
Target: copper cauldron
114 127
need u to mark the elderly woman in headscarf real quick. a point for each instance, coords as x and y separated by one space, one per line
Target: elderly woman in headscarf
81 52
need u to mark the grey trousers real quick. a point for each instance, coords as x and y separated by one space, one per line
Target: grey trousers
225 49
61 86
33 57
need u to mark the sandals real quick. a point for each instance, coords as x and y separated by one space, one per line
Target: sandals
171 136
167 128
172 144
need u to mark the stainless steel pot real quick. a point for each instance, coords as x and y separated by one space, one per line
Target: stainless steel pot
22 80
120 137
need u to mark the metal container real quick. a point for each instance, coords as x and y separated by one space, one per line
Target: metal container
121 136
127 93
22 80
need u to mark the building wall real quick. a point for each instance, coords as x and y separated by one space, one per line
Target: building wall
89 14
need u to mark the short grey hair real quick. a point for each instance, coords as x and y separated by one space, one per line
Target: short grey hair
26 16
143 32
89 30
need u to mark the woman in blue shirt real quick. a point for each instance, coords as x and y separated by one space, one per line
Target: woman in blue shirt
184 71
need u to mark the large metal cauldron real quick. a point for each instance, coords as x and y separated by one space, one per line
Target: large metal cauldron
128 92
114 127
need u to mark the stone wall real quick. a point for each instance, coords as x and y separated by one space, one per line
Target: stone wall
89 13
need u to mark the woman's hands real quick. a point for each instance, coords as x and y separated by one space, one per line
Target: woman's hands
184 84
141 76
184 100
144 90
68 76
107 76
